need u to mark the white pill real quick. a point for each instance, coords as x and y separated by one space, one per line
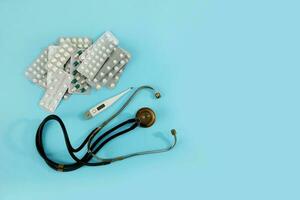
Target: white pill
59 64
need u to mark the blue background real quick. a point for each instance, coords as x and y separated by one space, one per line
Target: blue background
229 75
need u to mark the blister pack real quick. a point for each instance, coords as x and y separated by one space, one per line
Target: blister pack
57 85
97 54
37 72
118 59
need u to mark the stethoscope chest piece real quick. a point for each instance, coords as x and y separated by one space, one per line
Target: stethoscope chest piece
146 117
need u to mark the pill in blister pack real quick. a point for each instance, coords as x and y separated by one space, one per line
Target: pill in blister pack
61 56
118 59
115 79
37 72
74 65
79 42
56 88
97 54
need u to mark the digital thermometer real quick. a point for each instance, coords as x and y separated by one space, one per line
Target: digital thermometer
105 104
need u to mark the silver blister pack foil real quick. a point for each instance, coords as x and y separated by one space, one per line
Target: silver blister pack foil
96 55
118 59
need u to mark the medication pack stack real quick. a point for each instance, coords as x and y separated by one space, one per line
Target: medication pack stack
75 65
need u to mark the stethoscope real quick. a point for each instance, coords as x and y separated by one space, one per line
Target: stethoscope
145 117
